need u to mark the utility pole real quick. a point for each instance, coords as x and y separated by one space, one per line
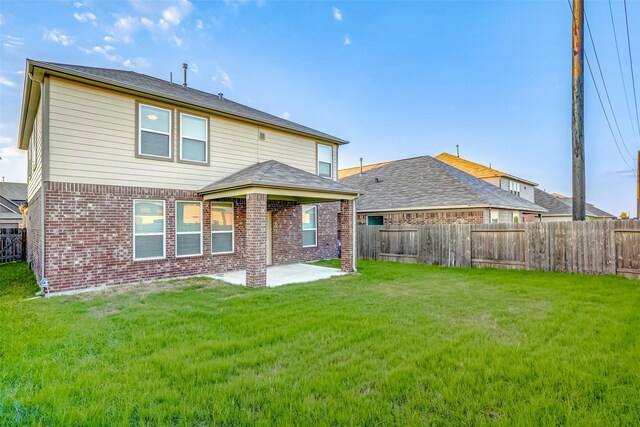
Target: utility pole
638 188
577 113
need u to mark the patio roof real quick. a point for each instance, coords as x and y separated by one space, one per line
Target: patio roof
278 181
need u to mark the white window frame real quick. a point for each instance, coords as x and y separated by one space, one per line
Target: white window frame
233 227
164 230
206 138
140 153
514 188
315 229
188 232
318 145
496 213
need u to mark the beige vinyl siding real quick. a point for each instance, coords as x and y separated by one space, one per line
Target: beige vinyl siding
35 157
93 141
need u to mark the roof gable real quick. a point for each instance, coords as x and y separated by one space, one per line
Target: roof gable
476 169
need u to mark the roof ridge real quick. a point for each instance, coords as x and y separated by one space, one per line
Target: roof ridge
273 162
448 169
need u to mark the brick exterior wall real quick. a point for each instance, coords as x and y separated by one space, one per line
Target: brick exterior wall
347 259
428 217
34 235
256 240
89 236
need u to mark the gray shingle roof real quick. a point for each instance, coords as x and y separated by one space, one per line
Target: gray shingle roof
275 174
174 91
14 191
424 182
557 206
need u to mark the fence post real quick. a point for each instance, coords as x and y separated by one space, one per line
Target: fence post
23 255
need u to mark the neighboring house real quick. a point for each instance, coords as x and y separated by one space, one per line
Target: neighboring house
12 196
423 190
560 208
135 178
518 186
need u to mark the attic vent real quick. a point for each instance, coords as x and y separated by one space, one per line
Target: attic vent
262 136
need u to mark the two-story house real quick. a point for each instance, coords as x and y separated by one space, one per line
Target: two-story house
135 178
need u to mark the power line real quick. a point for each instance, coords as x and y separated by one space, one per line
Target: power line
606 116
624 85
633 80
604 84
604 110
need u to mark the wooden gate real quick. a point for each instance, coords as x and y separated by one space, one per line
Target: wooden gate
13 244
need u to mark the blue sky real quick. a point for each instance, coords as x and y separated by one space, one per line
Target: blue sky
397 79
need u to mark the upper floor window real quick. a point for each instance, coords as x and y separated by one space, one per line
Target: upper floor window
325 161
154 132
193 138
514 188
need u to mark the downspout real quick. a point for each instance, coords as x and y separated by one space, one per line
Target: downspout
44 282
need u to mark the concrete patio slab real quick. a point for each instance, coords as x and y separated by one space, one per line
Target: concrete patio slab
279 275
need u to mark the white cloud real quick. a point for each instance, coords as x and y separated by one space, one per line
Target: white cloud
124 28
177 40
58 36
78 4
86 17
195 68
11 42
108 39
285 115
223 77
147 23
11 150
14 161
1 20
346 41
136 63
6 82
199 24
105 51
174 14
337 14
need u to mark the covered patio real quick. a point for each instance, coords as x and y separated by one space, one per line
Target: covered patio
291 216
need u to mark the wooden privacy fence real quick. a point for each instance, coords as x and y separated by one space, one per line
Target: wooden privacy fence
591 247
13 244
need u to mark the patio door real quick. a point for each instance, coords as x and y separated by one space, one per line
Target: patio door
269 239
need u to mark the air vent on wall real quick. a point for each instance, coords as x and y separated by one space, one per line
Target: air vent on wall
262 136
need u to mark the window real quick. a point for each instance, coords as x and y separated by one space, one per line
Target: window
495 216
188 228
148 229
221 228
514 188
325 161
516 217
375 220
309 226
193 138
155 132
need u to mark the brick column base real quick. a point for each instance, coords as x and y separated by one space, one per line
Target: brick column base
256 243
347 232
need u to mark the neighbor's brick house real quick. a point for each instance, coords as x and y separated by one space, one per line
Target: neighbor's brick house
134 178
424 190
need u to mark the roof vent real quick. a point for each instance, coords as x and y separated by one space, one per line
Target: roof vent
220 95
184 73
378 180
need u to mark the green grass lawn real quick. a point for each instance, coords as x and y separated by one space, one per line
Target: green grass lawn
397 344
